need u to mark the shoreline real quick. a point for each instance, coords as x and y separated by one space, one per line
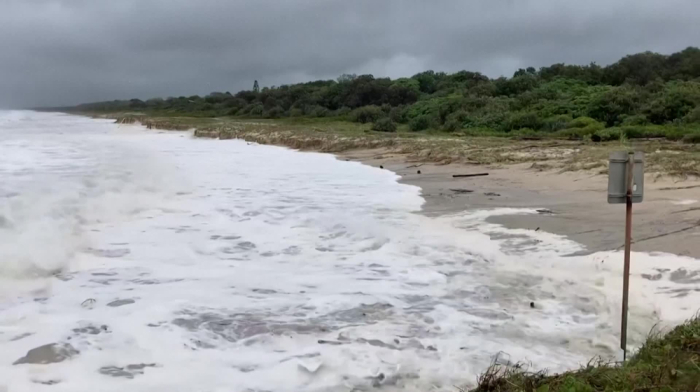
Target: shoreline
667 221
574 204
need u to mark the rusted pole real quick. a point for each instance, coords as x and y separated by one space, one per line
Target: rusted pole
628 245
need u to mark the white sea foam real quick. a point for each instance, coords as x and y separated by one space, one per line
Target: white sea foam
243 267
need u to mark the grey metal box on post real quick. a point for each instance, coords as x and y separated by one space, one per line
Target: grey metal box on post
617 178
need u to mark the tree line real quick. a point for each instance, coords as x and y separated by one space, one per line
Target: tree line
641 95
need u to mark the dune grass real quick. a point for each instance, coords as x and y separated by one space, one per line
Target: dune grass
668 362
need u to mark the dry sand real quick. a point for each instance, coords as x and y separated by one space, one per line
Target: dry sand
667 221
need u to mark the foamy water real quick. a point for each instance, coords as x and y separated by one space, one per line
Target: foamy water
154 261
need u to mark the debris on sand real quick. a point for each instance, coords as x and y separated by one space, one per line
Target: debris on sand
469 175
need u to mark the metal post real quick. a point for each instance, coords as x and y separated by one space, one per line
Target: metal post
628 245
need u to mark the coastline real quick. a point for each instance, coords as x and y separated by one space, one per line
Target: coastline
574 203
667 221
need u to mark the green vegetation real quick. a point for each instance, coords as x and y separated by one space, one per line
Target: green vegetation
669 363
646 95
562 117
384 125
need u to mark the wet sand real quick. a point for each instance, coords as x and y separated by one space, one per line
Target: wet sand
667 221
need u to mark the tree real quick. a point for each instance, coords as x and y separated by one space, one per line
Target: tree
419 123
345 78
404 92
367 114
640 69
678 100
683 65
516 85
613 105
137 104
426 81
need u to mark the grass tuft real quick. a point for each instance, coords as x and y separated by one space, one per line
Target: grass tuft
665 363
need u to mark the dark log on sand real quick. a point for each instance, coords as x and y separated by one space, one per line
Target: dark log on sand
469 175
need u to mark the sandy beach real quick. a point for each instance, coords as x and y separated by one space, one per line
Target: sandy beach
668 220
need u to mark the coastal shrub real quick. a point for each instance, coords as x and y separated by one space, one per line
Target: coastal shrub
693 117
576 133
232 102
520 120
693 138
404 91
455 121
677 133
448 106
398 114
637 119
384 125
646 131
489 117
296 112
640 132
342 112
615 103
317 111
556 123
274 112
516 85
675 100
606 135
429 108
452 125
583 122
419 123
254 109
367 114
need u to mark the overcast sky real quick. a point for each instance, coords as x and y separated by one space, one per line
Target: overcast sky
61 52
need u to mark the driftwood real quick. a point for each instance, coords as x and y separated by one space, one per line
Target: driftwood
469 175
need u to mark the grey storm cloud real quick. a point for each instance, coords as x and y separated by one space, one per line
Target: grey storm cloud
62 52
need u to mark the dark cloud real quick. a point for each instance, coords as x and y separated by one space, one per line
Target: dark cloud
59 52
